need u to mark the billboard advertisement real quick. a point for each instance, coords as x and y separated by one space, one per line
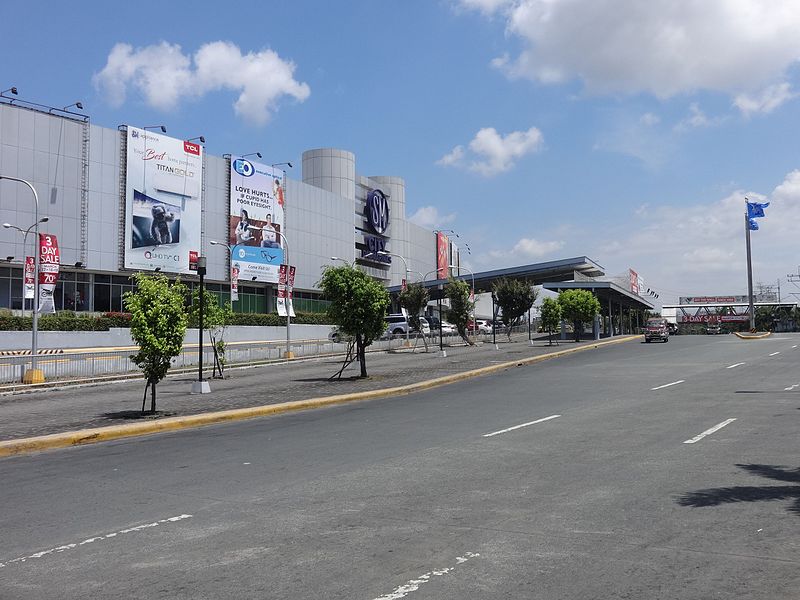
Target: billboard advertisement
256 219
634 281
164 181
442 255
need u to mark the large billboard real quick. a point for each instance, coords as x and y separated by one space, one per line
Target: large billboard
164 182
256 220
442 255
732 299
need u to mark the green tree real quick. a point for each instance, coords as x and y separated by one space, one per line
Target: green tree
551 316
215 318
578 306
158 324
461 307
414 299
358 306
515 298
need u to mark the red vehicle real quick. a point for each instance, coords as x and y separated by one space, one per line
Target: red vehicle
656 329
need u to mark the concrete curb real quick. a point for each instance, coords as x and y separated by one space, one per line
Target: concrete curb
744 336
104 434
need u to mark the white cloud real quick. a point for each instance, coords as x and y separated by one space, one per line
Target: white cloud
491 153
766 101
649 119
165 76
663 47
429 217
487 7
534 248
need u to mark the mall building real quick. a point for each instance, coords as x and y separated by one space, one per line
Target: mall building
111 219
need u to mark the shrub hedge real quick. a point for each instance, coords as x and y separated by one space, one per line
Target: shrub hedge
69 321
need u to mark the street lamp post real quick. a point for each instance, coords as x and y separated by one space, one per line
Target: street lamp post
34 375
405 267
289 354
200 386
25 233
440 287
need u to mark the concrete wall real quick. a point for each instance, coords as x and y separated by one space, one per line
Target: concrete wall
21 340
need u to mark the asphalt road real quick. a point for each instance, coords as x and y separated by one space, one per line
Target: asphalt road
691 490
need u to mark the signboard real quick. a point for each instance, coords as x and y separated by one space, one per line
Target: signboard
377 211
767 297
289 291
282 275
634 281
234 282
442 255
714 318
164 181
256 219
30 270
49 262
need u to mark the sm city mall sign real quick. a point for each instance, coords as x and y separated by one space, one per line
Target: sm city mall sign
377 213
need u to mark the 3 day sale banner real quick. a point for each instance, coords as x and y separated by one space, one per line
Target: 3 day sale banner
49 263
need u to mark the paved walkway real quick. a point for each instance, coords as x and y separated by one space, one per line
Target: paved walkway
55 411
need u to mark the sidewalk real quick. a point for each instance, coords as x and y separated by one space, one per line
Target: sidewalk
55 411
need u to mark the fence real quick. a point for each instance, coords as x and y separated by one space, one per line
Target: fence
96 364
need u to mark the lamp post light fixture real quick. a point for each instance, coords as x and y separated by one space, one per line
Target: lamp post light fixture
33 375
258 154
200 386
199 138
288 355
78 105
25 233
12 89
161 127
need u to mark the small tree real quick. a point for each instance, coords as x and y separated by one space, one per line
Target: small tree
515 298
551 316
215 317
414 299
158 324
358 306
578 306
461 306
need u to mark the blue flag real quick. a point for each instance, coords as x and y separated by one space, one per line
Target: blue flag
753 225
755 209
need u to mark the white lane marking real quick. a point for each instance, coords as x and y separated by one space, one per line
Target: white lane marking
91 540
521 426
668 384
697 438
413 585
790 388
736 365
795 346
774 353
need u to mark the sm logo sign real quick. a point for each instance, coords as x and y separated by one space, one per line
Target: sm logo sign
378 211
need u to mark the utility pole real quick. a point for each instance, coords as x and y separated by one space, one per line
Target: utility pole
749 273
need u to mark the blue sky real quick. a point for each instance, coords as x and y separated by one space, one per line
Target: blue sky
623 130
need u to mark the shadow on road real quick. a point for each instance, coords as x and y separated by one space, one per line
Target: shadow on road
727 495
136 415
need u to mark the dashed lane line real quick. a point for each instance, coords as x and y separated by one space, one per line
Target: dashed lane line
91 540
413 584
717 427
736 365
520 426
774 353
666 385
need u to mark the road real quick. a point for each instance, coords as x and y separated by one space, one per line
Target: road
634 471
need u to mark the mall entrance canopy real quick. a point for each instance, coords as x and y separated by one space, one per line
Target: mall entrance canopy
620 307
568 269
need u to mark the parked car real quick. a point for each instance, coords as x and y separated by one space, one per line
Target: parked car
656 329
448 328
673 328
713 329
397 324
480 325
434 323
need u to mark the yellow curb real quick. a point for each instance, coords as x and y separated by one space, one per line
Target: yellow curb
113 432
751 336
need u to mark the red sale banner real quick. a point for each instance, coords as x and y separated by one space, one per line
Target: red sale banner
30 269
289 303
49 262
282 272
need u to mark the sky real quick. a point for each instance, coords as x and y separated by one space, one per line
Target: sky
626 131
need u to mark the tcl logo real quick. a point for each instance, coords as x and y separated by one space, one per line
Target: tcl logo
191 148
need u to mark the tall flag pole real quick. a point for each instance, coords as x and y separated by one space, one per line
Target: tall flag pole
754 210
749 271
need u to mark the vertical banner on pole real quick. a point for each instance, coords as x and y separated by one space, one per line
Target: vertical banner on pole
282 290
234 282
289 288
49 262
30 269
